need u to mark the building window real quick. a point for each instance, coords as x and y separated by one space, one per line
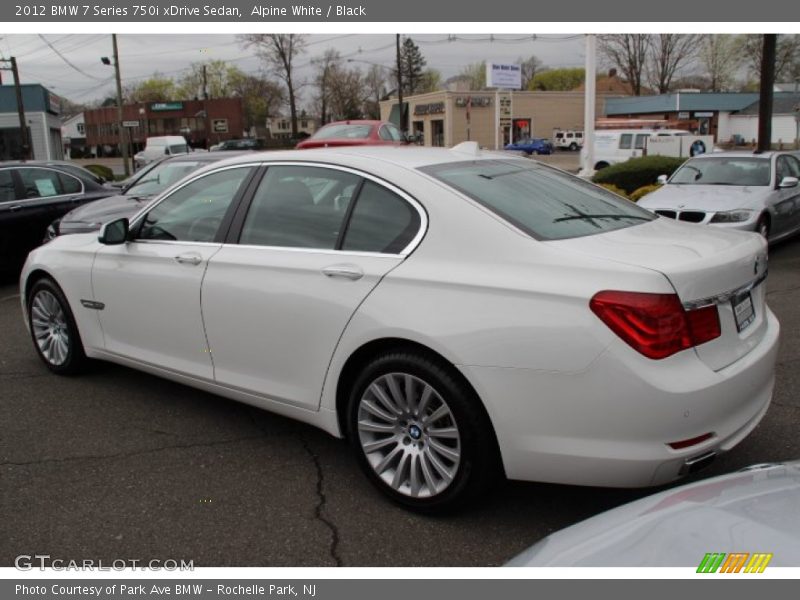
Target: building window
81 128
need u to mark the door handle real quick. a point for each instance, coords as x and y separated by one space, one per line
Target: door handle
351 272
189 259
15 208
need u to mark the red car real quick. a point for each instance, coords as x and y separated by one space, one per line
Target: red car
355 133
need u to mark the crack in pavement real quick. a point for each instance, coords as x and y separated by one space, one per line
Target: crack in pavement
129 454
323 500
320 489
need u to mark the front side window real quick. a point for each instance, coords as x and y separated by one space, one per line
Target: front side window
641 141
162 176
7 191
69 184
194 212
787 166
299 207
545 203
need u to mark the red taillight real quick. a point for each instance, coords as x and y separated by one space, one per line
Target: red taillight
655 325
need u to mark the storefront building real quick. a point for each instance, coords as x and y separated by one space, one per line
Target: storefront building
43 126
490 118
202 122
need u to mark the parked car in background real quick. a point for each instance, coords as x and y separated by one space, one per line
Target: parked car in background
159 147
734 190
355 133
31 196
531 146
457 315
568 140
240 144
754 514
149 184
68 166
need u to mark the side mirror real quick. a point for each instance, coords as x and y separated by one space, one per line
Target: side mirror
788 182
166 150
114 233
662 179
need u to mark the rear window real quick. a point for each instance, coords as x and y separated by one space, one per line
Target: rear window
545 203
352 132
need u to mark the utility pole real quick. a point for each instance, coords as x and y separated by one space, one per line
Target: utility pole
766 93
589 103
24 140
400 87
205 107
123 138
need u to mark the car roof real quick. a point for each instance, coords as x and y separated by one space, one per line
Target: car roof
410 157
355 122
206 156
738 154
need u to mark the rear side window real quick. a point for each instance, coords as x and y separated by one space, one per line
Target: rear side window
40 183
381 221
541 201
626 141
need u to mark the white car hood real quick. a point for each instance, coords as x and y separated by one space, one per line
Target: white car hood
707 198
751 511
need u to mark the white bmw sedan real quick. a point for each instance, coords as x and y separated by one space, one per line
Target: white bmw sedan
456 315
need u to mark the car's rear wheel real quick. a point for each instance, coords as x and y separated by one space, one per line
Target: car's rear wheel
53 330
534 151
420 433
573 146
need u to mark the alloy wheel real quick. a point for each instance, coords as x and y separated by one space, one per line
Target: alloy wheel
409 435
50 329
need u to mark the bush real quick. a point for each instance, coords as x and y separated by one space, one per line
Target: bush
638 172
643 191
101 171
612 188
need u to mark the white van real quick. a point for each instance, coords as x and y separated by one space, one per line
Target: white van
159 147
612 146
567 140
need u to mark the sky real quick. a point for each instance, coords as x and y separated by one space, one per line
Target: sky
70 66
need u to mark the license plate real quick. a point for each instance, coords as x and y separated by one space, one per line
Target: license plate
743 311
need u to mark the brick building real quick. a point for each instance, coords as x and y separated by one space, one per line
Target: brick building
202 122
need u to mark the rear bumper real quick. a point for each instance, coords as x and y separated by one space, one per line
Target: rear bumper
609 425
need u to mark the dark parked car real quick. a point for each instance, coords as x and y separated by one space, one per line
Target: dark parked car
242 144
531 146
32 195
127 203
65 165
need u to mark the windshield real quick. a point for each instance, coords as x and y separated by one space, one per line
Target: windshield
544 202
722 170
354 132
161 177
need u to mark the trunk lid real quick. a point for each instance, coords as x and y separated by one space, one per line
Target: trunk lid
703 264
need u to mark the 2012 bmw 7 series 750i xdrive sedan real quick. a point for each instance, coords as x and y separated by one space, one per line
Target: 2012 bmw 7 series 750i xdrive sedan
457 315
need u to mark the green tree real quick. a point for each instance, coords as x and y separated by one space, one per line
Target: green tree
558 80
429 81
412 64
155 89
474 75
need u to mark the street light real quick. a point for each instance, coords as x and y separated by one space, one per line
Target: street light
115 63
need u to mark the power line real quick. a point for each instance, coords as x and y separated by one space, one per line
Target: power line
64 58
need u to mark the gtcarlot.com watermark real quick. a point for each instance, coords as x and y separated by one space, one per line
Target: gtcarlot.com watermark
28 562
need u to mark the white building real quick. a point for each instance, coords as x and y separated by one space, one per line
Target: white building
73 134
743 124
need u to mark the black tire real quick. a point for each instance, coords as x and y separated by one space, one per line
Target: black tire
762 226
573 146
535 152
479 466
74 360
600 165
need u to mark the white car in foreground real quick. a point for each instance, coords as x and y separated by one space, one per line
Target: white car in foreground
455 315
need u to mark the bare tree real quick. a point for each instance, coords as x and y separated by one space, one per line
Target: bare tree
322 79
787 54
347 92
278 51
375 87
628 52
668 54
530 67
720 61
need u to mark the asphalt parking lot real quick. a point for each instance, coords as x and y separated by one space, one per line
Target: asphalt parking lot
119 464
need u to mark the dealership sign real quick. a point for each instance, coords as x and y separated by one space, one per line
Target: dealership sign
473 101
161 106
500 75
434 108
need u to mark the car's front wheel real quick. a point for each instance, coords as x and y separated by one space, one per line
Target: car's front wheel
420 433
55 335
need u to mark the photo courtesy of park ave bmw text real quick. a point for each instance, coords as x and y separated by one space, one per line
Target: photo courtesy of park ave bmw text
402 288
